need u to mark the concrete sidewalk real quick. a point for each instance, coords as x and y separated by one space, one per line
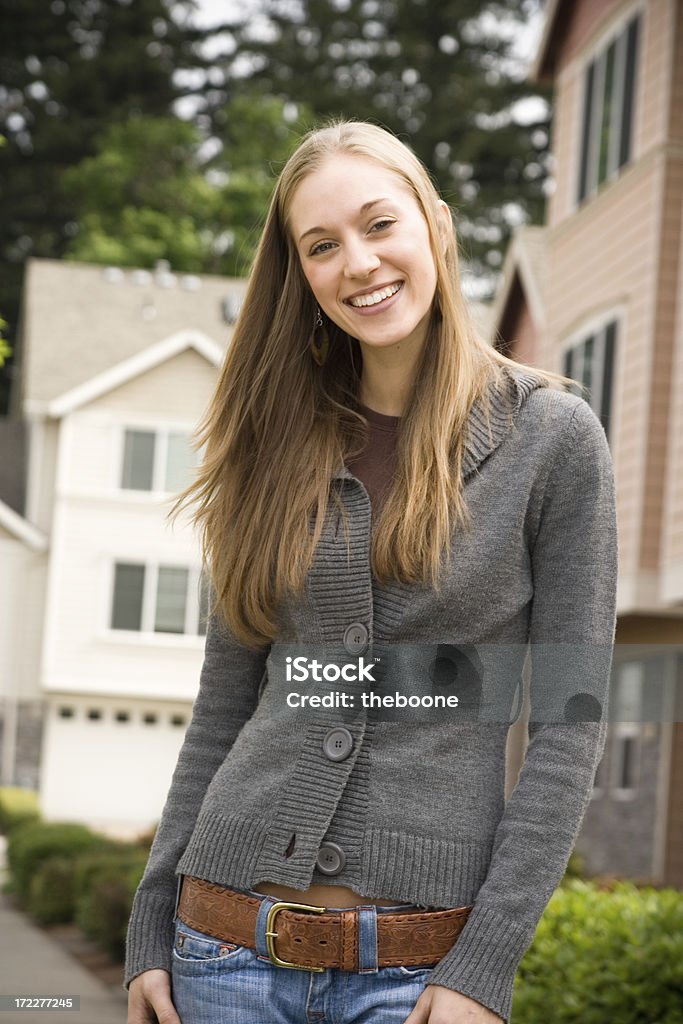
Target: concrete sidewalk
33 964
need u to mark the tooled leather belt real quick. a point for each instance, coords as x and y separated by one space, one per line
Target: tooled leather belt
318 938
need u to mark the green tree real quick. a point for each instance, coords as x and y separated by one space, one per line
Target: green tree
257 135
144 197
440 73
5 350
148 193
67 69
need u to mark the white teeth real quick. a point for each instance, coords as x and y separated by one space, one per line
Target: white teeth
375 297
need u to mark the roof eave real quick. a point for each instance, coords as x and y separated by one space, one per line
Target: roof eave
541 69
22 529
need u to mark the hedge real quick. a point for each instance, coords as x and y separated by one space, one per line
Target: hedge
604 958
50 897
33 842
17 805
106 886
62 872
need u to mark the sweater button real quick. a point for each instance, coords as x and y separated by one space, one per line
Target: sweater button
331 859
338 744
355 638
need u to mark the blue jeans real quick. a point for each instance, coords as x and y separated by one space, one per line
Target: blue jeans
215 982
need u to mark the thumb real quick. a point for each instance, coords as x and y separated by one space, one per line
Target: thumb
166 1013
420 1012
149 999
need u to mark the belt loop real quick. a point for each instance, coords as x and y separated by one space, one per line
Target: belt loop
367 940
177 896
261 946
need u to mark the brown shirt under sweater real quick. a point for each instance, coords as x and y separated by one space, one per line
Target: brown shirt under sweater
375 465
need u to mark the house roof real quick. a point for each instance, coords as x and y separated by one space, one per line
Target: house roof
527 261
88 325
22 529
555 23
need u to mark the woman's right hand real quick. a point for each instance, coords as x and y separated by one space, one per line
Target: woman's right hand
149 999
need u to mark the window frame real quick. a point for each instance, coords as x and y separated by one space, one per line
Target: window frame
627 731
605 354
160 458
191 626
625 35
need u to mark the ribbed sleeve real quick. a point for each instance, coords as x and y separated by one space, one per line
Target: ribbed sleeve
150 934
228 693
574 559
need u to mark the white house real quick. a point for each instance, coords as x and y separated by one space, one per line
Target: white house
23 567
117 369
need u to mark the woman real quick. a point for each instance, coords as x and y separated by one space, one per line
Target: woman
376 479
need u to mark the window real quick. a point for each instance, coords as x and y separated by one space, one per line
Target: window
171 600
625 755
129 583
138 460
591 362
158 599
157 461
607 126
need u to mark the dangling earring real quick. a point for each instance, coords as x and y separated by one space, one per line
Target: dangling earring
320 340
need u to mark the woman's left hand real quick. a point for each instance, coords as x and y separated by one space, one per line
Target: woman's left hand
440 1005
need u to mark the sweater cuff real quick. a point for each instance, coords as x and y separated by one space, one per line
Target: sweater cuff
149 943
484 960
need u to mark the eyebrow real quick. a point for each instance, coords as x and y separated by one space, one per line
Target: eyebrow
364 208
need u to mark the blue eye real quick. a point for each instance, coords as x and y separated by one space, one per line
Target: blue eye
320 247
381 224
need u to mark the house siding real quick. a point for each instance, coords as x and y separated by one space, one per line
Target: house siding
587 16
605 261
673 853
518 328
93 670
672 250
617 836
619 255
667 273
591 26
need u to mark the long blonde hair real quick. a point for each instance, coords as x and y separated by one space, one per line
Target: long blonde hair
278 426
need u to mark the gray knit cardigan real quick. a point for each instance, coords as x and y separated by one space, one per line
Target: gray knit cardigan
417 807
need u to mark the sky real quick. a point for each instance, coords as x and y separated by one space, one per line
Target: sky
212 12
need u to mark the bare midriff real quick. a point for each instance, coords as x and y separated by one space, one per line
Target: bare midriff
322 896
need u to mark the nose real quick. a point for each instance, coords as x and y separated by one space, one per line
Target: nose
360 260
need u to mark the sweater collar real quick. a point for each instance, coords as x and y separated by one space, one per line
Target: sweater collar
484 434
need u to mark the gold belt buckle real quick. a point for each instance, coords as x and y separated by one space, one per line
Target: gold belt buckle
272 935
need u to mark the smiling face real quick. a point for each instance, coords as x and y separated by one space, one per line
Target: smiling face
365 250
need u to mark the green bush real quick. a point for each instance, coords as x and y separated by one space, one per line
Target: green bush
105 887
17 805
604 958
575 868
51 891
33 842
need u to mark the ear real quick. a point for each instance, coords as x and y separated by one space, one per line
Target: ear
445 219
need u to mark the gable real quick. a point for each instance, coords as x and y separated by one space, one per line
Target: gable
568 28
82 322
179 388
